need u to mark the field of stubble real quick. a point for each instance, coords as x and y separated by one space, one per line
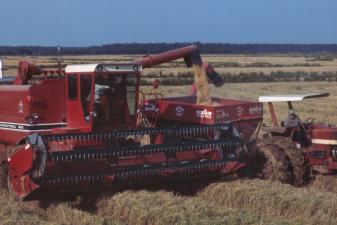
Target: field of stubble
232 202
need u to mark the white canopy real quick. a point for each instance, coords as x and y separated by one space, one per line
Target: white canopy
90 68
81 68
291 98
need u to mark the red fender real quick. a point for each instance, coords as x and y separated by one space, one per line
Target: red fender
19 166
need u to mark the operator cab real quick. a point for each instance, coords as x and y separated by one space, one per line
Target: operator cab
102 97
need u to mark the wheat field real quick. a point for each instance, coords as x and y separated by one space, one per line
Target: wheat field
243 201
223 63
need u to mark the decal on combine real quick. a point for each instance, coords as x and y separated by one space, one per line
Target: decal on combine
204 114
179 111
20 107
239 111
221 114
149 107
255 110
29 127
11 126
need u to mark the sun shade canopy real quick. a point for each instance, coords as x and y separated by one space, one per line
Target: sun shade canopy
290 98
90 68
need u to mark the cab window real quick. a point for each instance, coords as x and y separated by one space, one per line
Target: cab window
85 81
72 87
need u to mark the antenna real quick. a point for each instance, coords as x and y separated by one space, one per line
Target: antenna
1 69
59 59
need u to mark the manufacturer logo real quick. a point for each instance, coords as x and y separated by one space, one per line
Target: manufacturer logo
204 114
255 110
239 111
179 111
149 107
20 107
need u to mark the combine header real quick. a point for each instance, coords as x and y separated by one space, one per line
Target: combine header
91 127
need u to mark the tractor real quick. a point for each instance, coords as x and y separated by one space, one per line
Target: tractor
303 145
89 126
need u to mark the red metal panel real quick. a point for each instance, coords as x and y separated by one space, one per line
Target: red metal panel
21 161
186 110
246 115
323 132
48 101
12 136
14 106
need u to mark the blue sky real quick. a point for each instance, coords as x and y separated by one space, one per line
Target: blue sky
96 22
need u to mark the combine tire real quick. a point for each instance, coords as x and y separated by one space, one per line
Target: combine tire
295 156
268 161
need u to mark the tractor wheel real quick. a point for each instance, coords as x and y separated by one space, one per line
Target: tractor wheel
295 156
268 161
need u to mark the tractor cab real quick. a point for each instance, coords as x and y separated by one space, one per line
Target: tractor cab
102 97
292 126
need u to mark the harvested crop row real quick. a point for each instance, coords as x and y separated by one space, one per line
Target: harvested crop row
161 207
275 199
129 207
13 212
67 215
237 202
325 183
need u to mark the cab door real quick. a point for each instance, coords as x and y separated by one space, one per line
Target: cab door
115 101
79 101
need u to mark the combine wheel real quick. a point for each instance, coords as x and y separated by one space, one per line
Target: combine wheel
295 156
268 161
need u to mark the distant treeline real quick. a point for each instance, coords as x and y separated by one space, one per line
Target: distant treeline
244 77
150 48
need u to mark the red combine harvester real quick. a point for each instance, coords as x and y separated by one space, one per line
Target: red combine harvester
308 145
90 126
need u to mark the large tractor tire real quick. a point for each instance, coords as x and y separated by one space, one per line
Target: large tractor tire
295 156
268 161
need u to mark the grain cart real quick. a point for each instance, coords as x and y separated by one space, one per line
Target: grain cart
90 126
306 148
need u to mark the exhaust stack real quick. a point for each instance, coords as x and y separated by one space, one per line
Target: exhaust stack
1 69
